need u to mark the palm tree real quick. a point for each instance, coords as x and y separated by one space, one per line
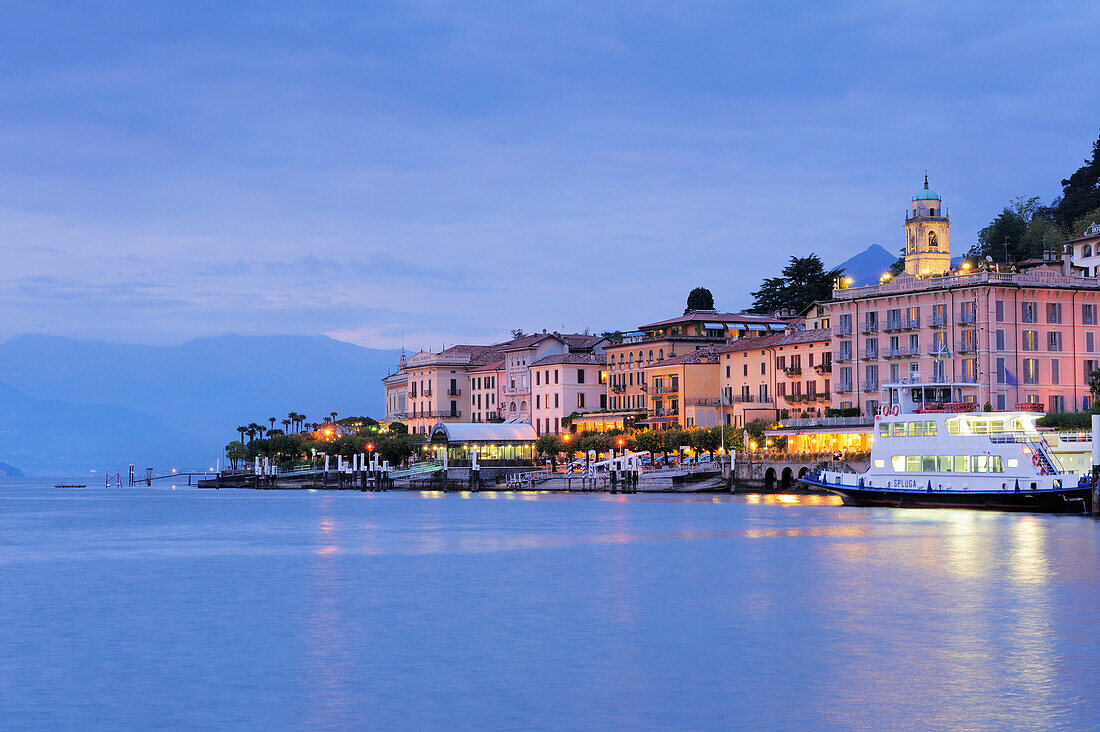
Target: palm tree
286 426
242 430
292 417
251 432
272 421
333 415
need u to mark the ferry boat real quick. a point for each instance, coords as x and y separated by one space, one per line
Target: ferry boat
930 452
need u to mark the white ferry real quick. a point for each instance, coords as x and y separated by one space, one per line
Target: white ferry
928 451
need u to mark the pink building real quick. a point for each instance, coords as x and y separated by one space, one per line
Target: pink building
564 384
1003 338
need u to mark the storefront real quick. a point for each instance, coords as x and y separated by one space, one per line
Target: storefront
505 443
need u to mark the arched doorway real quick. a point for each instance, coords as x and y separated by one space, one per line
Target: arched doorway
802 472
769 479
788 479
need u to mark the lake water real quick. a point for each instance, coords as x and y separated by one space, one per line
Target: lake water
154 607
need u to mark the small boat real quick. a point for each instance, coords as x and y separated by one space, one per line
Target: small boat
71 485
930 452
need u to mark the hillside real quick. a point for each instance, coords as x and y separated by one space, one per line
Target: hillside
867 266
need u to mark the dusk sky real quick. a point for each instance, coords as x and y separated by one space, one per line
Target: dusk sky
444 172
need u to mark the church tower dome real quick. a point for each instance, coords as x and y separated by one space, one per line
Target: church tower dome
927 246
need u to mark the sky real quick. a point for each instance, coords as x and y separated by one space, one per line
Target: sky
426 173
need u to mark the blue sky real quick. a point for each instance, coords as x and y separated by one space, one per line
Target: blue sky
429 172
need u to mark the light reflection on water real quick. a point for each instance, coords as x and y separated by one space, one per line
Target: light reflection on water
341 609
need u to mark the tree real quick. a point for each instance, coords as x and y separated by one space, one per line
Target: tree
803 281
399 428
395 448
286 426
1094 384
615 336
1080 192
705 440
517 333
647 441
272 421
242 430
700 299
1026 226
235 451
549 446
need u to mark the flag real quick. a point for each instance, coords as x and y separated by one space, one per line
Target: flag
1010 378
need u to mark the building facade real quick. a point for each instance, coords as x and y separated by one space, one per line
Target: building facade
564 384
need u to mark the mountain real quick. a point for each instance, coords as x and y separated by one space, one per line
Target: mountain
178 405
867 266
10 471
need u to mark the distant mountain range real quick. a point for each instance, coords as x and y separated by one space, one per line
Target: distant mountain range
69 406
867 266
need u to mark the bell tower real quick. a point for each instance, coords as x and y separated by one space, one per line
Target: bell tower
927 250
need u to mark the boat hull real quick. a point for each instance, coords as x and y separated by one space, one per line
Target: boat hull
1063 500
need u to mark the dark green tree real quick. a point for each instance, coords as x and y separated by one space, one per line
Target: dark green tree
549 446
700 299
236 452
399 428
803 281
1080 192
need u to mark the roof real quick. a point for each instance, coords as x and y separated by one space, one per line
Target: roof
709 316
810 335
497 365
584 359
485 431
926 194
750 344
579 341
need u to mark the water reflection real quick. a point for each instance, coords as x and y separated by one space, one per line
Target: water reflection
327 678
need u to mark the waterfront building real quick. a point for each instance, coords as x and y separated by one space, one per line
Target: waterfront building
1007 338
495 444
653 343
395 386
487 392
438 386
762 378
1085 251
683 390
521 353
565 384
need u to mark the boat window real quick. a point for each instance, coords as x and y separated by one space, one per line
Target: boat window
953 427
996 426
1012 462
912 463
883 429
928 464
898 462
979 427
962 463
915 429
899 429
929 429
981 463
995 464
946 462
880 464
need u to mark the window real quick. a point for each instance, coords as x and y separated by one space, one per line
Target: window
745 370
1054 312
1029 312
1054 341
763 368
555 376
537 378
1000 308
1088 314
580 400
1031 340
1000 340
1031 371
845 350
1000 371
728 370
580 376
845 326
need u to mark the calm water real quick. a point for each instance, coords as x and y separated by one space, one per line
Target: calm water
183 608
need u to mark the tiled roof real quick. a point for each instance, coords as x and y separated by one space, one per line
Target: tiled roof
712 317
573 340
497 365
751 344
586 359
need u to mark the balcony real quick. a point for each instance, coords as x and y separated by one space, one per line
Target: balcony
662 389
870 354
869 385
843 388
454 392
869 328
902 352
938 321
702 402
793 371
443 413
824 368
903 324
749 399
843 357
844 330
617 388
664 413
967 348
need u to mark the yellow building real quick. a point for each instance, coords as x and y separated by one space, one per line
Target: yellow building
683 390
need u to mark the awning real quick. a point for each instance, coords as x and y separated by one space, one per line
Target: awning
714 326
753 326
